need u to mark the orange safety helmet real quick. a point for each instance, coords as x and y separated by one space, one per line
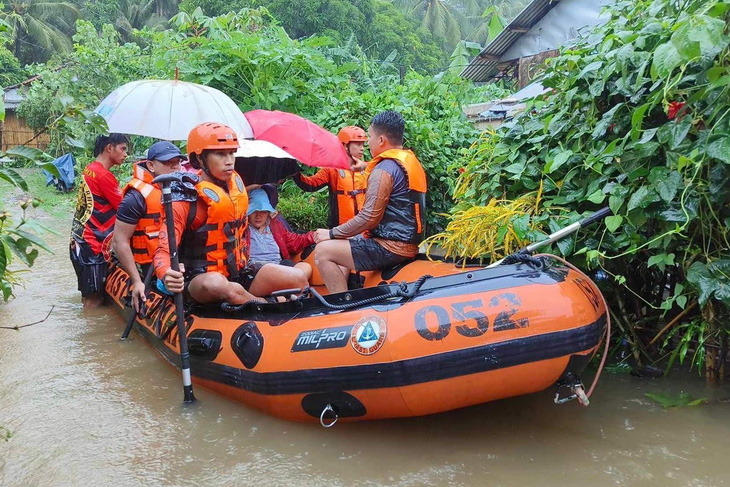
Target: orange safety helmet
352 134
210 135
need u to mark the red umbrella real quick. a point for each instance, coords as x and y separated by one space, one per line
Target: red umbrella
308 142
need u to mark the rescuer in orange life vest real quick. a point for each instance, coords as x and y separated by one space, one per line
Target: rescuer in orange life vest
211 231
346 188
393 214
140 213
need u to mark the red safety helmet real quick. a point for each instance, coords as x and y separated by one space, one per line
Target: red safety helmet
352 134
212 136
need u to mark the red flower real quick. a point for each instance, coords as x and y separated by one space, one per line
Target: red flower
461 170
673 109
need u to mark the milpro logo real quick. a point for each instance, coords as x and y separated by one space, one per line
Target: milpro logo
322 339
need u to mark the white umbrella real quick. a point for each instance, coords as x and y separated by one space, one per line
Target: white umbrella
261 149
259 162
168 109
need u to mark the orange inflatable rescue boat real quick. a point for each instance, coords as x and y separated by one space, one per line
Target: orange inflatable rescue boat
421 338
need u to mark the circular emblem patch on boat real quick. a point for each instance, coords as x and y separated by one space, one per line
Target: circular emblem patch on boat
211 194
368 335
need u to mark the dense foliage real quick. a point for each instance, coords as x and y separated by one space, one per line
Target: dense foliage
97 66
376 25
249 57
637 118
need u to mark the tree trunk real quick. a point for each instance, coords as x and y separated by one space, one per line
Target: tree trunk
715 346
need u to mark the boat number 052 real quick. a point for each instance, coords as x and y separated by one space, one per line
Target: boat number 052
474 321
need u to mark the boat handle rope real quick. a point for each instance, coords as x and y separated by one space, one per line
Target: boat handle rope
328 409
522 257
400 292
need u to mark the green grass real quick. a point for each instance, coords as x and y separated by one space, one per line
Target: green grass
57 205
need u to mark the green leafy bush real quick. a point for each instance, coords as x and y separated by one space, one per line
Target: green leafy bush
303 211
637 118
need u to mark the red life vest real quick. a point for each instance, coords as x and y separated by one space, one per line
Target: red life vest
144 238
404 217
218 245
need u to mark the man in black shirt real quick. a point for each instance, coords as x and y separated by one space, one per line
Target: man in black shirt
138 217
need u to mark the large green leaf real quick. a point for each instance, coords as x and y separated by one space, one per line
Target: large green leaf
699 35
700 278
9 175
679 400
639 199
666 58
720 271
6 258
679 131
26 152
666 182
636 119
561 158
613 222
720 149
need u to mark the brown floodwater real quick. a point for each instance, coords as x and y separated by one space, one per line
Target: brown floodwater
86 409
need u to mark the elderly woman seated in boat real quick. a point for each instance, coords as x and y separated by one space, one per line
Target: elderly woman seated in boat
269 240
210 230
393 213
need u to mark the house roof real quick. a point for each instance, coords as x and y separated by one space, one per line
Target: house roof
537 32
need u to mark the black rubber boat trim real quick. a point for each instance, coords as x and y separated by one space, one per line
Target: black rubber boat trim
396 374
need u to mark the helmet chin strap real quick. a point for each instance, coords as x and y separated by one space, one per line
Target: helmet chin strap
204 166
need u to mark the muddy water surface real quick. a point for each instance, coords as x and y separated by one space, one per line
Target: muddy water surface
86 409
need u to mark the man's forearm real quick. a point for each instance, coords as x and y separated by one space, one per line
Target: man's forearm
126 260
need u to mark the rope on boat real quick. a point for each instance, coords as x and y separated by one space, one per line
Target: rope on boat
400 292
523 257
608 319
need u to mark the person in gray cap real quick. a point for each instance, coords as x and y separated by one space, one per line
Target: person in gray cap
139 215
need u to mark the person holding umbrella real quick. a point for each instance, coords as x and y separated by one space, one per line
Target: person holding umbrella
211 231
140 213
346 188
393 213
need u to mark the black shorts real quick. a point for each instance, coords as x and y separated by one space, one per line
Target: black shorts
244 278
91 269
369 255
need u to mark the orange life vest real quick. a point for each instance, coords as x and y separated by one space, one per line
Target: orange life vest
404 217
349 188
218 245
144 238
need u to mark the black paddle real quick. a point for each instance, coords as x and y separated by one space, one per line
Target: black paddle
130 322
183 184
562 233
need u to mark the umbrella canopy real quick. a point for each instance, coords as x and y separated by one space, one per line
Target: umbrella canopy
308 142
259 162
169 109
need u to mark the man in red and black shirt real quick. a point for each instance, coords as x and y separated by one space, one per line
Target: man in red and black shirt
96 209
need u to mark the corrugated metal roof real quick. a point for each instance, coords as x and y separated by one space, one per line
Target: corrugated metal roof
484 66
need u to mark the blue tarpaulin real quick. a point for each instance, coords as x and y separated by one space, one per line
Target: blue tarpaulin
65 165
